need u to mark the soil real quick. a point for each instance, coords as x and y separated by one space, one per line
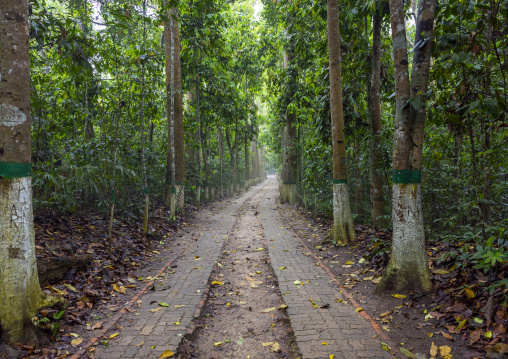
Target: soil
405 320
243 317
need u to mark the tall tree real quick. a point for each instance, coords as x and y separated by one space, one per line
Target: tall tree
21 295
408 268
290 157
343 229
376 159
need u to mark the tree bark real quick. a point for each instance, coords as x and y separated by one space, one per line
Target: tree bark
178 118
408 268
290 156
21 295
343 229
376 159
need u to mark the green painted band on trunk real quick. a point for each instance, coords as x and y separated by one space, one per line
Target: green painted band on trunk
113 196
180 183
173 190
289 182
407 176
146 190
339 181
15 170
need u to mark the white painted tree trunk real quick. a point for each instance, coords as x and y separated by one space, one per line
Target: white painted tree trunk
288 192
20 293
408 267
198 196
180 198
343 229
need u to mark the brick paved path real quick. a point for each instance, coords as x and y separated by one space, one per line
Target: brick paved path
347 334
147 334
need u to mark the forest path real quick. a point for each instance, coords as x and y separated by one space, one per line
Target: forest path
258 264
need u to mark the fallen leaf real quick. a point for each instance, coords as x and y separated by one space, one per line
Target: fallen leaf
399 296
77 341
469 293
114 335
268 310
140 344
282 268
433 350
358 310
119 289
215 282
179 306
162 304
475 335
259 249
166 354
382 315
177 323
56 290
297 282
70 287
350 263
283 306
267 344
275 347
218 344
447 336
440 271
313 304
377 280
155 310
324 343
445 350
385 346
406 352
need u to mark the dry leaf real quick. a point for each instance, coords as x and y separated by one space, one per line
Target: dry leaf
358 310
399 296
114 335
267 344
447 336
70 287
56 290
475 336
218 344
283 306
469 293
155 310
324 343
268 310
445 350
433 350
275 347
179 306
119 289
166 354
77 341
140 344
216 282
406 352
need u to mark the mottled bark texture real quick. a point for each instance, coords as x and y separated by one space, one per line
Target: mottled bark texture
376 159
408 268
342 230
21 295
290 156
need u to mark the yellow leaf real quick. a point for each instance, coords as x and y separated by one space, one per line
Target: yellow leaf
358 310
114 335
331 356
461 324
445 350
313 304
74 335
267 344
77 342
283 306
488 335
430 335
215 282
56 290
324 343
385 346
406 353
119 289
140 344
399 296
282 268
217 344
275 347
70 287
268 310
440 271
177 323
433 350
166 354
155 310
447 336
179 306
349 262
469 293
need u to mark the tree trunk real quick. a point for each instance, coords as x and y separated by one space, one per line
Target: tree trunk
408 268
143 162
376 159
220 139
178 119
246 154
198 152
21 295
170 197
290 158
231 163
343 229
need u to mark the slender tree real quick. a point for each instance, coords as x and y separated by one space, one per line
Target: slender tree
343 229
408 268
376 160
21 295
